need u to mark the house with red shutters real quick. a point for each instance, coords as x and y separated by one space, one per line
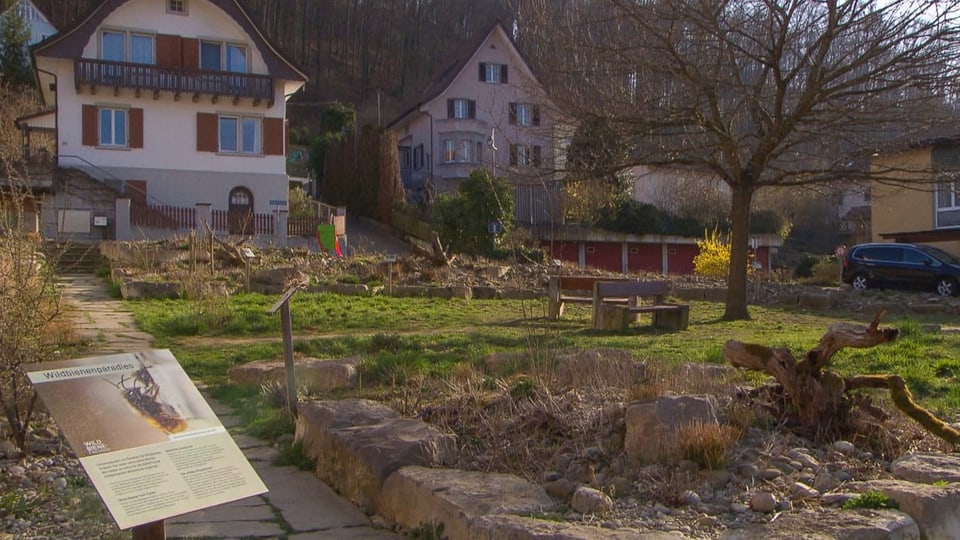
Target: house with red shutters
164 112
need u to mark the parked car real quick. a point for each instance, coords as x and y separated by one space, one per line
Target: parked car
913 266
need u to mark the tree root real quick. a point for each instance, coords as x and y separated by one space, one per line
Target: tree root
903 399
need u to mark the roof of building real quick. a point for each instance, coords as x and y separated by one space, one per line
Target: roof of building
70 42
445 77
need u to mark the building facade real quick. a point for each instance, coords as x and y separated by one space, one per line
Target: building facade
172 103
485 110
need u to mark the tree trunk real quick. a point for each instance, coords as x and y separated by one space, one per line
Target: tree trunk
736 308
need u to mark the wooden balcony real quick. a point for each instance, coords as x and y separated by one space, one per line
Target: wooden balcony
156 79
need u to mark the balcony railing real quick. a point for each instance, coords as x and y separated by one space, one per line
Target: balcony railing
178 81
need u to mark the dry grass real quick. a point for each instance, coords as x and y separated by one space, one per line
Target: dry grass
708 445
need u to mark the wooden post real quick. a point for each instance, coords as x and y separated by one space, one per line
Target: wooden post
150 531
288 356
283 306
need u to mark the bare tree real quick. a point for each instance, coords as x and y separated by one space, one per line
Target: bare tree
759 93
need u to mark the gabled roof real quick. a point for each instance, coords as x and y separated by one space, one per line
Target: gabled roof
70 42
442 81
46 18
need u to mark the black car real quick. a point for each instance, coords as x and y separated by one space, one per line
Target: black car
914 266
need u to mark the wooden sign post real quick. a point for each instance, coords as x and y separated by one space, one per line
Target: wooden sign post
283 305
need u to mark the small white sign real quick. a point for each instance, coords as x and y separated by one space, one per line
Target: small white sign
99 221
389 258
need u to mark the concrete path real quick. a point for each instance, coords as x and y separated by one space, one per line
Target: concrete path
298 506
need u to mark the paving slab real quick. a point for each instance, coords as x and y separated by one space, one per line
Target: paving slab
306 503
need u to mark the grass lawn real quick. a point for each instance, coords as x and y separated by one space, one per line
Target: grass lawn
402 336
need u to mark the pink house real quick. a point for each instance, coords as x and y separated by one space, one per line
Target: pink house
484 110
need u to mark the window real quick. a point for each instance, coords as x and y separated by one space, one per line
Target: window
493 73
119 46
177 6
524 114
217 56
461 151
112 127
240 135
418 160
406 156
522 155
461 108
948 204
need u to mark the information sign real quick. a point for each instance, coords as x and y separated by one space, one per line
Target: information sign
149 442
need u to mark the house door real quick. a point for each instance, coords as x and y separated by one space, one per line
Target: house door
240 211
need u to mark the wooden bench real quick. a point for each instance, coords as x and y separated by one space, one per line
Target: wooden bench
616 304
572 289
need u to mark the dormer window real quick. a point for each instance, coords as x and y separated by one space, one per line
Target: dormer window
493 73
177 6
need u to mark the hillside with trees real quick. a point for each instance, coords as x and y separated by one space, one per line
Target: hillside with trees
353 51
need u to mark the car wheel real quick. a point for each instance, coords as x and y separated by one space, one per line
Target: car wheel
860 282
947 287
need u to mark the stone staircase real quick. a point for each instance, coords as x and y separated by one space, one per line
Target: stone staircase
74 257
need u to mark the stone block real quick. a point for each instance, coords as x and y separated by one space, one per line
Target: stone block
651 426
825 523
314 374
507 527
934 508
149 289
415 495
927 467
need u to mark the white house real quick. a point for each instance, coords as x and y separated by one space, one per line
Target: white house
40 27
173 103
484 110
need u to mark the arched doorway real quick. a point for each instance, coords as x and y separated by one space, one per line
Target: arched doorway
240 211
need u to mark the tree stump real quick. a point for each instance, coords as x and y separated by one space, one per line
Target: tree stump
820 399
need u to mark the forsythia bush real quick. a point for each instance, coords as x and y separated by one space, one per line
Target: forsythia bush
714 257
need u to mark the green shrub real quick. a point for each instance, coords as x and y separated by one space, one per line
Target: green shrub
873 500
462 220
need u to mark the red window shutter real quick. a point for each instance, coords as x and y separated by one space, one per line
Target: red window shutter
136 128
513 155
472 109
89 125
190 53
208 138
536 156
273 136
536 115
168 51
503 73
483 72
513 113
449 108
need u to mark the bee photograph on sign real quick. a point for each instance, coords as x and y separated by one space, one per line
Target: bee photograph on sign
122 401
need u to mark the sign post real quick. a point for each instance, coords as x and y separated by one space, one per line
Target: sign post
283 305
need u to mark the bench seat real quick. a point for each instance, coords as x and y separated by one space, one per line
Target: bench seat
617 304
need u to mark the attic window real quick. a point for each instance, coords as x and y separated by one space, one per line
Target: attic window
493 73
177 6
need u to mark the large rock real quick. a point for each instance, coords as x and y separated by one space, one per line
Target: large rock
320 416
283 276
831 524
590 501
934 508
314 374
505 527
358 446
927 468
131 290
415 495
651 426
